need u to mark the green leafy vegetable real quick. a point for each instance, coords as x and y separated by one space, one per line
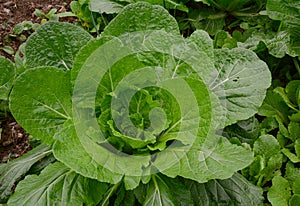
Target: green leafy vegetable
233 191
279 193
138 108
51 45
57 184
8 72
12 172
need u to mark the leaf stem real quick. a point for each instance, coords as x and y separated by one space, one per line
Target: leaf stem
111 191
296 63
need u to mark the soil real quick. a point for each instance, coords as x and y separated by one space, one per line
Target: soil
14 140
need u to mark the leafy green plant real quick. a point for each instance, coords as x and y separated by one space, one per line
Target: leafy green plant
275 142
213 16
134 114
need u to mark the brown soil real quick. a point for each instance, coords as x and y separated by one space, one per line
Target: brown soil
13 139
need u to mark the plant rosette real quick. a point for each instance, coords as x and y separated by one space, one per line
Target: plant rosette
139 105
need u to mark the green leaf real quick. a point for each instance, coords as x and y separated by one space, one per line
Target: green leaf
226 5
294 201
207 19
204 42
292 173
278 43
106 6
296 186
69 150
267 146
12 172
115 6
279 193
41 101
240 72
288 13
141 16
217 158
124 197
55 44
284 96
294 130
8 72
235 190
163 191
290 155
291 90
273 106
58 185
8 49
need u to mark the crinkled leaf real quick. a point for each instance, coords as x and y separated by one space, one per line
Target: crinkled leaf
278 44
240 72
13 171
235 190
8 72
279 193
41 101
141 16
288 13
204 42
55 44
58 185
217 158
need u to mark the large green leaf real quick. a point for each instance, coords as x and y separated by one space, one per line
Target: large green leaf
68 149
8 72
240 73
13 171
55 44
232 191
141 16
278 43
41 101
288 13
57 185
217 158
